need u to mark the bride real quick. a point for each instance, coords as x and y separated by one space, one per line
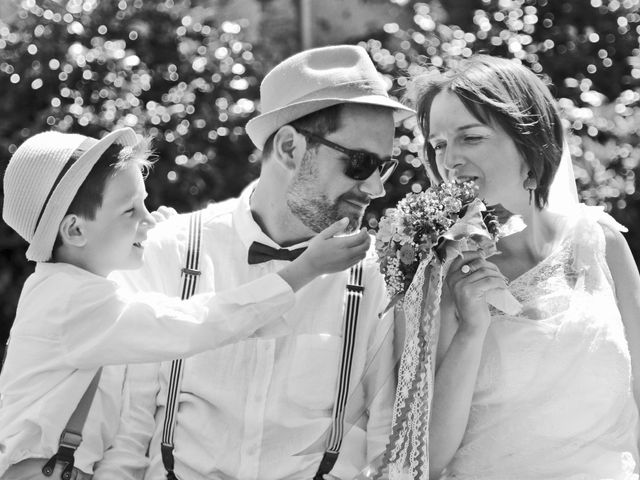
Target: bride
547 393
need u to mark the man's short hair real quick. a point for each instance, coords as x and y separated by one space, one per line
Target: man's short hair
321 123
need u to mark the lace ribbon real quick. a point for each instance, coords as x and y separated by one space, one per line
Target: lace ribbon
407 453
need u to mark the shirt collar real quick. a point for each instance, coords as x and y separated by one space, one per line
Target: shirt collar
246 226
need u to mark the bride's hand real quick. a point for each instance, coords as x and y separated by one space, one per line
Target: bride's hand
469 278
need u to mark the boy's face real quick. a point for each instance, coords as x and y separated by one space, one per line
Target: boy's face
114 237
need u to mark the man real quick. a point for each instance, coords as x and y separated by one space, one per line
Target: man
263 408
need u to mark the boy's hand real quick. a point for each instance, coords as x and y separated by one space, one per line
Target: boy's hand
328 253
163 213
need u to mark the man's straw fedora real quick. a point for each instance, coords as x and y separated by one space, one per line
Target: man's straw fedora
315 79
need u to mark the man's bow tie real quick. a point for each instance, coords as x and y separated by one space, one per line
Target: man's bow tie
259 252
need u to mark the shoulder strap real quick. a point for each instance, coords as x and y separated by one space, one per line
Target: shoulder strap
190 275
353 296
71 436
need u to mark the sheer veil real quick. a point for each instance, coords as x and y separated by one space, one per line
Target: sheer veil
563 194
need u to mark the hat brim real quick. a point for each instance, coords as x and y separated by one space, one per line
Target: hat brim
260 128
40 248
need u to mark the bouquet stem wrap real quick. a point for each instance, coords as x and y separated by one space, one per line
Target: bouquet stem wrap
407 453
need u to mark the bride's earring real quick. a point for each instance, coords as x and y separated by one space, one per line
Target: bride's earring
530 183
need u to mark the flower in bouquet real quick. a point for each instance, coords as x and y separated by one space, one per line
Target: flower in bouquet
434 222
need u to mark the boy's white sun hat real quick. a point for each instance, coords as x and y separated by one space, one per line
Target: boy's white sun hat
42 179
316 79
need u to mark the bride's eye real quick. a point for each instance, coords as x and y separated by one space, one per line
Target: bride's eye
438 147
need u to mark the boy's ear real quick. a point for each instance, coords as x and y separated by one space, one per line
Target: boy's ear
72 231
289 147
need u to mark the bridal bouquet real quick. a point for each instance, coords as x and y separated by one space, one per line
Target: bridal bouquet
438 223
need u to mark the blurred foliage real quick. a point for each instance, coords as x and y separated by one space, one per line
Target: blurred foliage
169 69
587 51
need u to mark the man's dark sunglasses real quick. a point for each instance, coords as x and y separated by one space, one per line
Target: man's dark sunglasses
361 164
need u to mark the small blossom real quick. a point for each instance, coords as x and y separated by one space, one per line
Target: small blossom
407 254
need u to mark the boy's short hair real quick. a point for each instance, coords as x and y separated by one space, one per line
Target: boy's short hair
43 177
89 197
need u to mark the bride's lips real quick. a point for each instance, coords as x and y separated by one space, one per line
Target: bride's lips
465 178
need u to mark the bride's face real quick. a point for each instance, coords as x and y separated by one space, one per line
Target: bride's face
468 149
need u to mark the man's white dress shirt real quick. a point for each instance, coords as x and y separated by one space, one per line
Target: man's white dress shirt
261 408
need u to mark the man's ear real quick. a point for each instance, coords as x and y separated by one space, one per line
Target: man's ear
289 147
72 231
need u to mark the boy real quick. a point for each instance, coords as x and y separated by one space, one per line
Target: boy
79 202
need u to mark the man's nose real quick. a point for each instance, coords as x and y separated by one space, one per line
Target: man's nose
373 185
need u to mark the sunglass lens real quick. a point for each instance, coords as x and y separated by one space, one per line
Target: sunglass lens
361 166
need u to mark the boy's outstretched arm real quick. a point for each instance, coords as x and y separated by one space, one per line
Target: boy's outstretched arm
327 253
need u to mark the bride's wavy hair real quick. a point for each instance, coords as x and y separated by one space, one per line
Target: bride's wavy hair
503 91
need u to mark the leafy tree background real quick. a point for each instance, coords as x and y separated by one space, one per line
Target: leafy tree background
170 69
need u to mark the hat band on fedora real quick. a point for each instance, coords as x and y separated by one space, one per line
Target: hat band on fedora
348 89
73 158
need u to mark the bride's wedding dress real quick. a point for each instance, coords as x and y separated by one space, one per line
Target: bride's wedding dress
553 398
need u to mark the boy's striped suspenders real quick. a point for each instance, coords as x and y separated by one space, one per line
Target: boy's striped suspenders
353 295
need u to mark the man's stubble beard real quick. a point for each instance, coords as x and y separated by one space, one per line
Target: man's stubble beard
313 208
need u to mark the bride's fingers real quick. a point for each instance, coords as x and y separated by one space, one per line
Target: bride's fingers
478 281
466 257
476 292
460 270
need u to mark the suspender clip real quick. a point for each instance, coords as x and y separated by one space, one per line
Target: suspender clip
189 271
326 464
70 440
167 456
47 470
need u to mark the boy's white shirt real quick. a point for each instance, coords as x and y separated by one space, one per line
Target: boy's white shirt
70 321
